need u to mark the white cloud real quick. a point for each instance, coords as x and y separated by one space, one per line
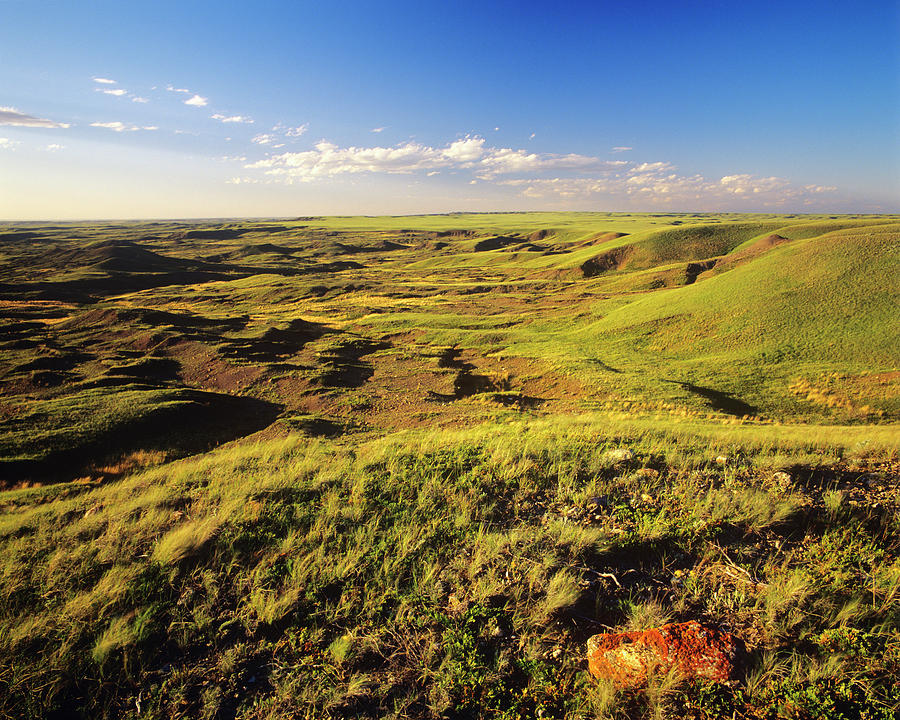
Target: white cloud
496 129
378 129
242 181
506 161
329 160
195 100
653 167
582 179
296 131
53 147
656 184
467 150
469 153
118 126
232 118
621 148
139 99
263 139
118 92
7 144
531 137
11 116
103 81
170 88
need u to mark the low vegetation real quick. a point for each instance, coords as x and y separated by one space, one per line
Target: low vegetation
405 467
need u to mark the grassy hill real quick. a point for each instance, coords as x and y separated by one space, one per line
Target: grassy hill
405 466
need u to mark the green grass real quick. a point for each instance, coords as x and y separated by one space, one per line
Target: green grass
643 446
81 419
456 563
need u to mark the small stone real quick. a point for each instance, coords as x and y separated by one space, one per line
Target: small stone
692 649
722 460
781 477
620 455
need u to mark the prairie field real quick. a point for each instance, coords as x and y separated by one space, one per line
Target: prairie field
335 467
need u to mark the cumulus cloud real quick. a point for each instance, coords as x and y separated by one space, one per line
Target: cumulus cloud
7 144
53 147
139 99
232 118
650 168
119 126
103 81
468 153
571 177
329 160
118 92
506 160
195 100
11 116
658 184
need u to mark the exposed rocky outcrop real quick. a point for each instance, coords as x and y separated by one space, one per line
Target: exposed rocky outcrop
691 649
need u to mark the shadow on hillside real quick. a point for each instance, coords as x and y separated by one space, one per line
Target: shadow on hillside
719 400
200 421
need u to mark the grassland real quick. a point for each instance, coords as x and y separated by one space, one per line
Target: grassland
405 466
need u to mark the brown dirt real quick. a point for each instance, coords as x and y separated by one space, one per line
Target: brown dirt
612 260
603 238
539 235
202 367
769 241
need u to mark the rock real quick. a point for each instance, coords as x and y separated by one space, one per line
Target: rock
619 455
692 649
781 477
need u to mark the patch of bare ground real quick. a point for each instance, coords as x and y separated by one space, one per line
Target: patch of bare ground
606 262
424 386
203 367
601 238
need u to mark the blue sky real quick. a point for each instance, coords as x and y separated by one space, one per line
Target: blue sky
211 109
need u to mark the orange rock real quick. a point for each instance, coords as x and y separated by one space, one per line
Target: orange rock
692 649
